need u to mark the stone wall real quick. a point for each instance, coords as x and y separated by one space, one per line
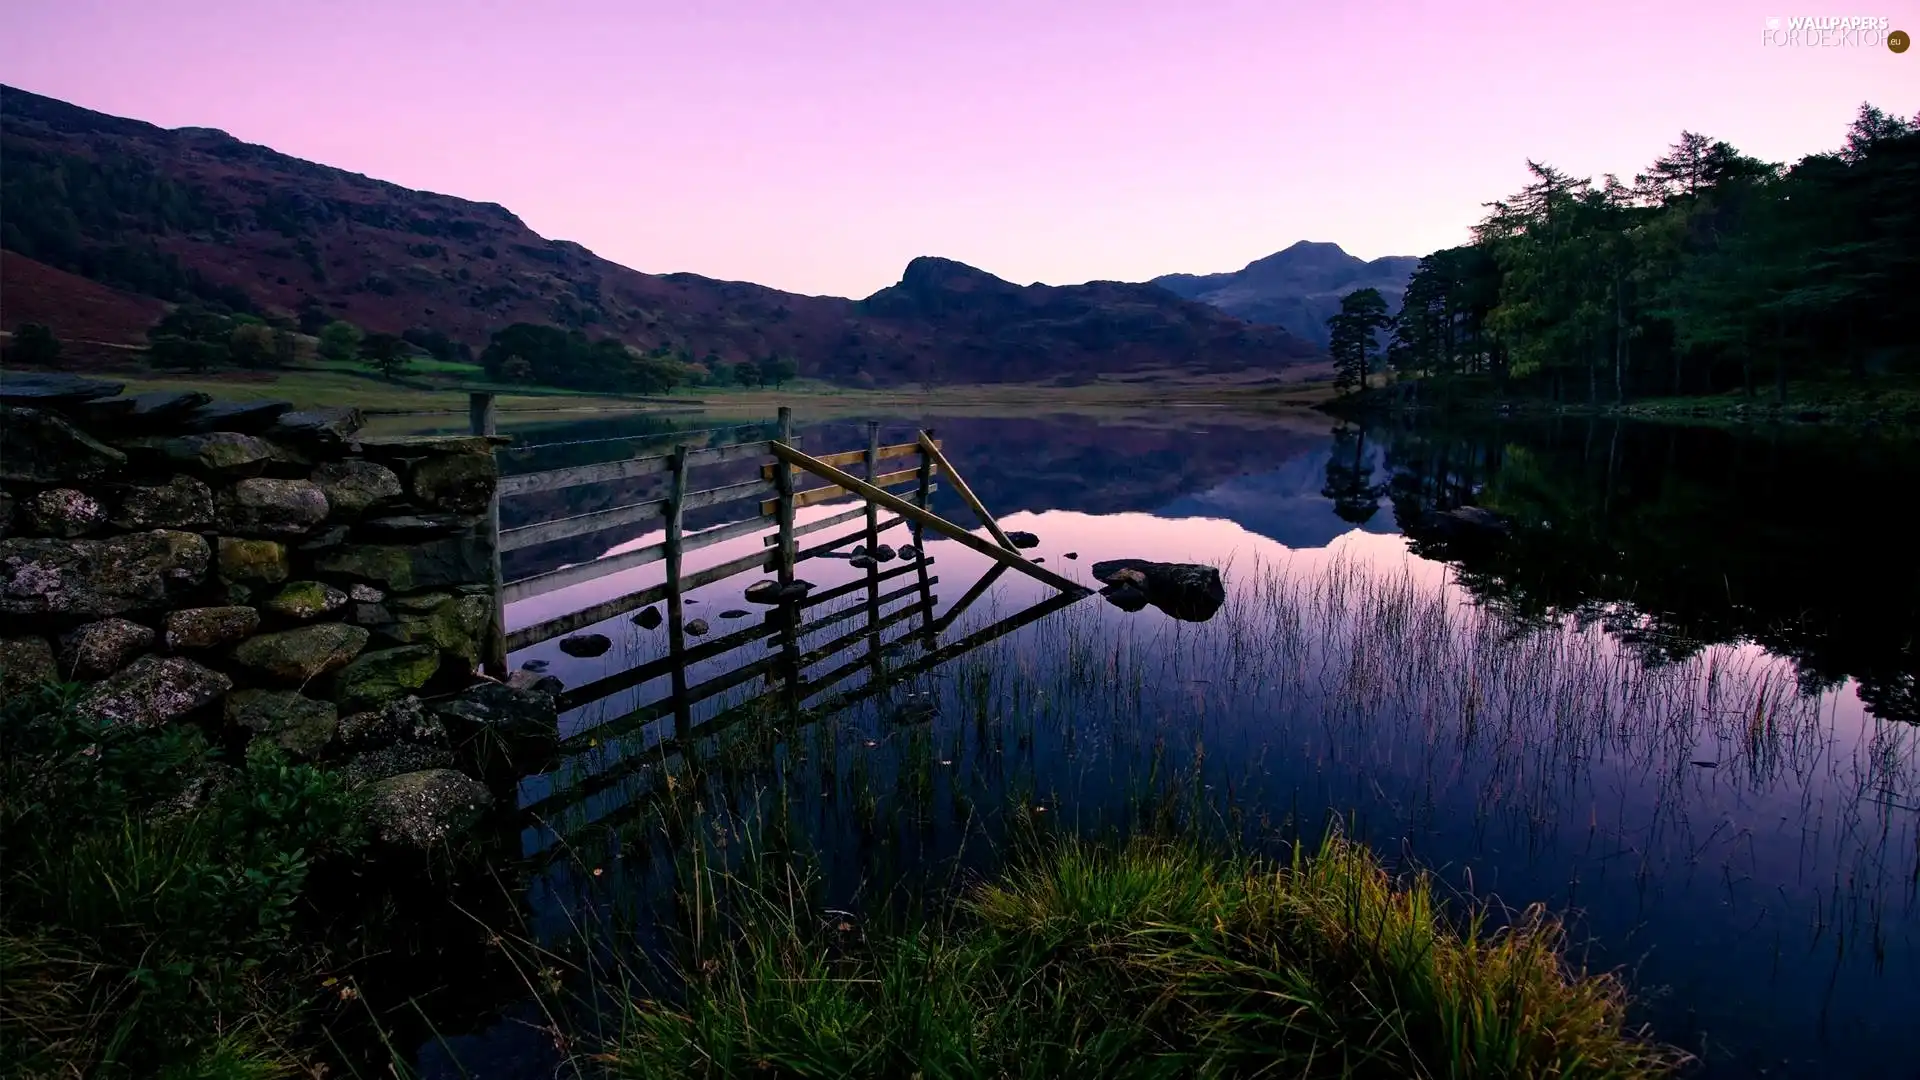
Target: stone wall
266 572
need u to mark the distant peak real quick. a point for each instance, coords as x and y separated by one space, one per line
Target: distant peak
1314 245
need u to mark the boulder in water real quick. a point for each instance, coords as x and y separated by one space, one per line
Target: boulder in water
1187 591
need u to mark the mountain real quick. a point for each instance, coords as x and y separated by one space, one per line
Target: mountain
194 214
1296 289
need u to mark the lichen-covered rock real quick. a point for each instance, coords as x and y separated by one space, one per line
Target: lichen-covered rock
296 723
154 690
536 682
183 502
303 600
63 512
382 762
38 447
303 653
317 427
98 649
436 564
252 562
405 720
209 627
218 453
506 728
25 662
456 625
585 645
462 483
424 809
267 507
6 515
365 594
408 527
369 615
96 578
380 676
355 486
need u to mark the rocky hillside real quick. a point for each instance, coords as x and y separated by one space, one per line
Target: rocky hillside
195 214
1296 289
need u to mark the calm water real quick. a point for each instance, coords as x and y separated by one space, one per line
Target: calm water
1677 702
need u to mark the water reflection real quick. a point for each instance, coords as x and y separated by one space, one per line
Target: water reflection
1655 683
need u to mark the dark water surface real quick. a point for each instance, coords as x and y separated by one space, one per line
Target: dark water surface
1677 701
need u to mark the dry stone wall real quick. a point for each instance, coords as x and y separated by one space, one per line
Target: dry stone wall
263 571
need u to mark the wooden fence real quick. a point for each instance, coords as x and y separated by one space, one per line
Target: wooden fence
766 503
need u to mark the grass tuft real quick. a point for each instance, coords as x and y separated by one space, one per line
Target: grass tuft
1153 959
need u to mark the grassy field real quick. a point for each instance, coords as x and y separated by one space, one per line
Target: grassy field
444 392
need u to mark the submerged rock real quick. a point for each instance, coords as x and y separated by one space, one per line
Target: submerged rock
154 690
1023 540
697 627
883 553
1187 591
648 619
1125 597
1470 522
735 613
424 809
586 645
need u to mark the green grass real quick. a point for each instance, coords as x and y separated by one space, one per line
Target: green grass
1154 959
150 925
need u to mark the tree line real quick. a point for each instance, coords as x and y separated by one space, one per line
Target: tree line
551 356
1708 272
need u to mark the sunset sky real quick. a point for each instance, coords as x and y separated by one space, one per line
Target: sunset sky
817 147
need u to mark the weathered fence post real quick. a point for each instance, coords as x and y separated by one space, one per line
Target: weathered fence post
925 500
676 625
480 417
789 613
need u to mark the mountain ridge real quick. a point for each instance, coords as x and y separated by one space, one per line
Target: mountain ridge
193 214
1296 288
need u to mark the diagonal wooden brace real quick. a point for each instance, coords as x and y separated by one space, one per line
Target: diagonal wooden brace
928 519
941 464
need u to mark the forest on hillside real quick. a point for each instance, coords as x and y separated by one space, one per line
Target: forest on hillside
1711 271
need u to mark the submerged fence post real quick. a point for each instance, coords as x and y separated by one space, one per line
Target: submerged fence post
480 417
873 541
676 632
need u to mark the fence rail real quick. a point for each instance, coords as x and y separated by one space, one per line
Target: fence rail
796 614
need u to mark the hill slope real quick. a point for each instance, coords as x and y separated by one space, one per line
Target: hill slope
1296 289
195 214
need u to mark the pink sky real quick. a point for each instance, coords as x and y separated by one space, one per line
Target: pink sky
817 147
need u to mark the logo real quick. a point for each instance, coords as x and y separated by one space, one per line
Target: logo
1898 41
1831 30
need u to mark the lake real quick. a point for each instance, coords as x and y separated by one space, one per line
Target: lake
1670 691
